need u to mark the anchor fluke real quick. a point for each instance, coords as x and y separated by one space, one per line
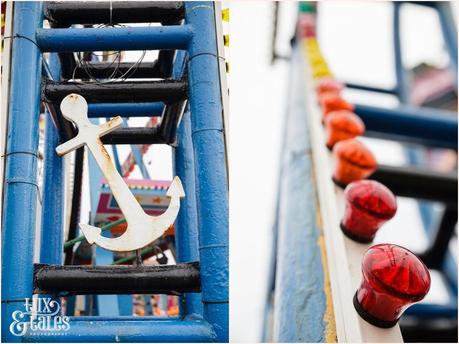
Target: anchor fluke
176 189
91 233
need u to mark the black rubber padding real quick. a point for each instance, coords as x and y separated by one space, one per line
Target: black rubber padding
370 318
338 183
355 237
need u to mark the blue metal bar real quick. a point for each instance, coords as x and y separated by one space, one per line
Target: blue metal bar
429 127
449 30
371 88
21 189
126 38
400 73
210 165
130 329
52 212
117 159
107 305
186 225
139 161
125 109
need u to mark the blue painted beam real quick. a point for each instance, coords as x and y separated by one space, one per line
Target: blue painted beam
210 165
125 109
21 189
186 225
113 38
52 212
429 127
130 329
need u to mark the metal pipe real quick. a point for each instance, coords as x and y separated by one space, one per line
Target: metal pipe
103 70
400 73
170 120
428 127
99 110
209 153
436 253
114 38
21 189
81 280
52 219
186 224
64 14
128 136
418 183
131 329
371 88
449 31
114 92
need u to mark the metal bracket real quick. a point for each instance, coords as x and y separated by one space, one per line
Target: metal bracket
142 229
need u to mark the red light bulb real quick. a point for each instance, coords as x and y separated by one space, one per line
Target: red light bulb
328 85
341 125
353 162
369 205
393 279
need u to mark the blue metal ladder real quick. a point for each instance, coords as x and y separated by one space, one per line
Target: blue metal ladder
202 225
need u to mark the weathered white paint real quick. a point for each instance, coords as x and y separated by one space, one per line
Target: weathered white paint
142 229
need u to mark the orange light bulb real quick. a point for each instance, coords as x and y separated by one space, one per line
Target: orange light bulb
330 101
354 161
341 125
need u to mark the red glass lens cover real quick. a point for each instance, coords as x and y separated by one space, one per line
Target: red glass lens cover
369 204
393 279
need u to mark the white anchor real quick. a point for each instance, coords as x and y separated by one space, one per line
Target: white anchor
142 229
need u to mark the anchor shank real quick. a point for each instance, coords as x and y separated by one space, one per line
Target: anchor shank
128 204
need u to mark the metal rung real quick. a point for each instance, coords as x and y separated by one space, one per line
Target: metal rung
126 92
424 126
64 14
103 70
114 38
165 133
418 183
100 110
81 280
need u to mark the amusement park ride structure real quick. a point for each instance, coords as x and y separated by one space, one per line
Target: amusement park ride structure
186 88
317 264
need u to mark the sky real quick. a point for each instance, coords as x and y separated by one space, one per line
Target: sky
355 38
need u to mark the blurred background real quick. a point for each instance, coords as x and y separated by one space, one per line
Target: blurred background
356 38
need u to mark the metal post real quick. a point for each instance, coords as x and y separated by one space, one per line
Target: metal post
449 30
401 80
186 225
210 166
21 189
52 218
